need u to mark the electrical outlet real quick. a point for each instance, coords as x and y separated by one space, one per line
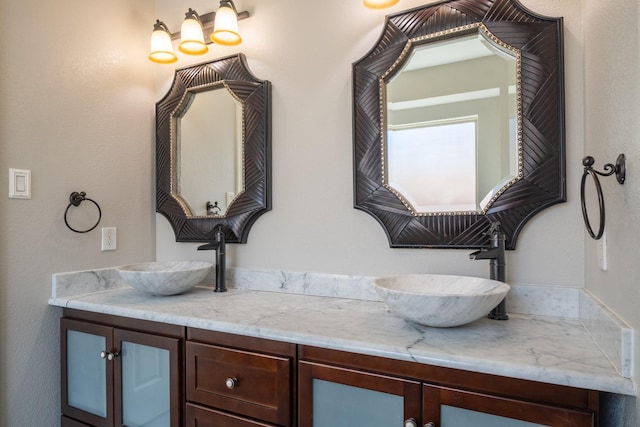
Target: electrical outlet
602 251
109 238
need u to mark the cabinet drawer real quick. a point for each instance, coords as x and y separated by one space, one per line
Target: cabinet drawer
197 416
251 384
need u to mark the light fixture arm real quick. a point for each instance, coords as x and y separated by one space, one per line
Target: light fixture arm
207 21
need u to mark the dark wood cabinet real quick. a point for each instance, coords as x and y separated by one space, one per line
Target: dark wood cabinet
215 379
113 376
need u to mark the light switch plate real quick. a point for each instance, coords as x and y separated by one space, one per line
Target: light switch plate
19 184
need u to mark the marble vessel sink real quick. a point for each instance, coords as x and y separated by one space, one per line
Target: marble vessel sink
440 300
164 278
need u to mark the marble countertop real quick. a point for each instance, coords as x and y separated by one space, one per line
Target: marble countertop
539 348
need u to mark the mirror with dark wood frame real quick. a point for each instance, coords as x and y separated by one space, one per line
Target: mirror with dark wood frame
213 151
423 98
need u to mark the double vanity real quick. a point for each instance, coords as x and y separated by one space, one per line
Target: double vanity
277 346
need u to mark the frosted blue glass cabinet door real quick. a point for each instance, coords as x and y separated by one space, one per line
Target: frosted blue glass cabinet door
116 377
146 380
86 375
338 397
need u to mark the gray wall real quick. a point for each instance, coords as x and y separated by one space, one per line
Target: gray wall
612 108
76 108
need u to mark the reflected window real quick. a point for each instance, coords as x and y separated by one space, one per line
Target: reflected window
463 128
434 155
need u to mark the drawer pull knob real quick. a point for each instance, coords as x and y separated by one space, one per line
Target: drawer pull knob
231 383
430 424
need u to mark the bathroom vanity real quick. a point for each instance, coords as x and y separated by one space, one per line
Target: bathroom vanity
257 358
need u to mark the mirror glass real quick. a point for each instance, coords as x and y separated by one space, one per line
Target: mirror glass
451 125
209 138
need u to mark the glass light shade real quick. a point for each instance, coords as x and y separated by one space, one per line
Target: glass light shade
161 46
225 27
192 39
379 4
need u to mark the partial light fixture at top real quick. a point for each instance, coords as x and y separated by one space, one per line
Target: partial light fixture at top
379 4
191 35
225 29
219 27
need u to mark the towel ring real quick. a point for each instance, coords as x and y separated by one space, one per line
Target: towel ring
619 169
74 200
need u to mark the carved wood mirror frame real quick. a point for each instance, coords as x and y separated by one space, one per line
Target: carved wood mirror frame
540 41
255 200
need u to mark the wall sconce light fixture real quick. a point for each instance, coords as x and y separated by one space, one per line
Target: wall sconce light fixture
196 32
191 36
379 4
161 46
225 29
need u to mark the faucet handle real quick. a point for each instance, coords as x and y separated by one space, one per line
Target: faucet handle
209 246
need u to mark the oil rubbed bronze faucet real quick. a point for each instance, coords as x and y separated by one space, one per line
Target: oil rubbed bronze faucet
496 255
219 246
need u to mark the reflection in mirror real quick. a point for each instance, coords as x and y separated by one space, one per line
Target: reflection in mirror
209 134
452 146
446 144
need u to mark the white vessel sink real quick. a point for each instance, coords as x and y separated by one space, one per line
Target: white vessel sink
440 300
164 278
